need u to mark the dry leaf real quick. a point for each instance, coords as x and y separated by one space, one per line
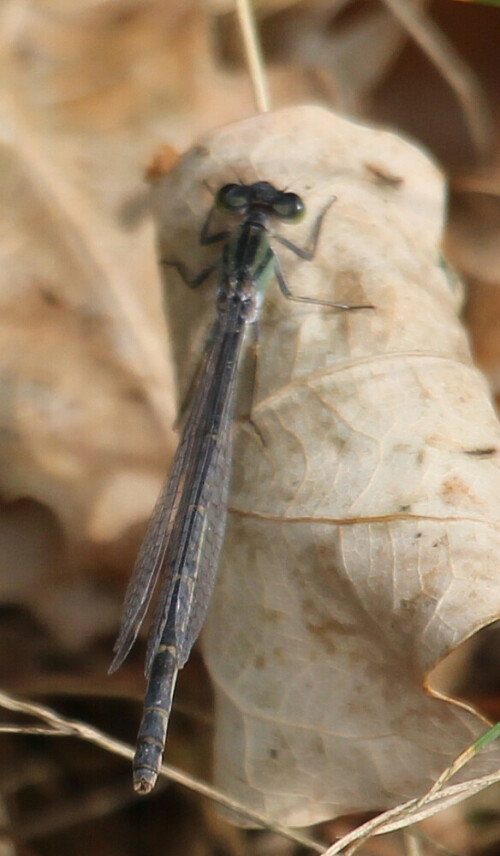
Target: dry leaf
85 416
363 537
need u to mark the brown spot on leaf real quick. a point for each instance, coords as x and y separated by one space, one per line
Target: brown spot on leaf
455 491
481 453
163 161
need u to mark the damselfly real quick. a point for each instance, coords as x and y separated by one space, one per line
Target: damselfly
185 536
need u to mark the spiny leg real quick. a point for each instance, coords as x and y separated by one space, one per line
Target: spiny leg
216 237
314 300
205 239
307 253
191 282
309 250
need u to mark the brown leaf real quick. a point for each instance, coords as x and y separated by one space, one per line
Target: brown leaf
363 537
473 243
84 408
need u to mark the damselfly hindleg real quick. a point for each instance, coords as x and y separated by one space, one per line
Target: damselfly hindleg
307 253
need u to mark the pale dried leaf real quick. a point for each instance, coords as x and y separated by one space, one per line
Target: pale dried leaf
83 380
363 536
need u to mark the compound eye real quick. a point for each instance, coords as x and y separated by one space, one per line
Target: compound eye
232 197
289 206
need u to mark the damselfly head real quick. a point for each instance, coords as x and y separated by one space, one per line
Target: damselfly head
263 196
